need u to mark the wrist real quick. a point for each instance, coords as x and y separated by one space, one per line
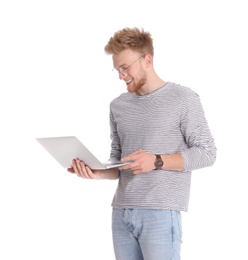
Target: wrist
158 163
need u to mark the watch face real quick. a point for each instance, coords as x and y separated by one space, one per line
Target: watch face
159 163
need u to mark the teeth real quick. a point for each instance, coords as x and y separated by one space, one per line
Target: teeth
128 81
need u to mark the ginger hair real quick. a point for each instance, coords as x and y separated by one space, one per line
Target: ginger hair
130 38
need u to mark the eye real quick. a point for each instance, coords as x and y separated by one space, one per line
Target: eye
123 68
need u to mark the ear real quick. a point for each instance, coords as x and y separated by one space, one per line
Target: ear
148 60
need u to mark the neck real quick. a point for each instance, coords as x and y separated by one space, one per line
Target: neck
150 86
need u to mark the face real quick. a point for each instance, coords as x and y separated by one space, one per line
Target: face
129 65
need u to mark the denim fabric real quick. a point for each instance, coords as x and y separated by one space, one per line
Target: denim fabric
142 234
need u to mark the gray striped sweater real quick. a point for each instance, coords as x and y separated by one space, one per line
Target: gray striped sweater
166 121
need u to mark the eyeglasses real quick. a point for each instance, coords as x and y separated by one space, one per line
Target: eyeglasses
124 70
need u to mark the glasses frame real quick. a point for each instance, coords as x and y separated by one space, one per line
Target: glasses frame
124 70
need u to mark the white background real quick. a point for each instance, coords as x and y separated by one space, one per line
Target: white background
55 79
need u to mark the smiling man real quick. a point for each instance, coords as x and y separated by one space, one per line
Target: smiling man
161 127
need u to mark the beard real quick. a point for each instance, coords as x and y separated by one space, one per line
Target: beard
136 85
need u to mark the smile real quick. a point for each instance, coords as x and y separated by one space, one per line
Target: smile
128 81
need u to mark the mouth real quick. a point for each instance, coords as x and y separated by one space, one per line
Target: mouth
128 81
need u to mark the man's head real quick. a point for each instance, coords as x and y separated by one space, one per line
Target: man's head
132 51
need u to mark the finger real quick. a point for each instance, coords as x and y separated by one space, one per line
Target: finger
137 152
132 156
79 167
125 167
75 168
90 173
135 168
130 166
85 171
138 171
82 171
127 158
71 170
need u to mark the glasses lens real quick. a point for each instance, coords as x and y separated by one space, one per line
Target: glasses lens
123 71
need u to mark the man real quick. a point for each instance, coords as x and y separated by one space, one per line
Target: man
161 127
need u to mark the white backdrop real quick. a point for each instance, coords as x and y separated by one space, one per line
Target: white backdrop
55 79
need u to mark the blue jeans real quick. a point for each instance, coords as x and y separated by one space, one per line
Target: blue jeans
141 234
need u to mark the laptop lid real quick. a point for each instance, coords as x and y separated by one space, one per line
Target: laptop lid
66 148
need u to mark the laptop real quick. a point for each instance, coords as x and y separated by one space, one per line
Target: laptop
66 148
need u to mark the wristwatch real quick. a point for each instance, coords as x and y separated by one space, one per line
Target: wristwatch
158 162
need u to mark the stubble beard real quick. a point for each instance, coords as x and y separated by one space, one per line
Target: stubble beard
138 85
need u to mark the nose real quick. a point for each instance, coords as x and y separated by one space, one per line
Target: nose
122 75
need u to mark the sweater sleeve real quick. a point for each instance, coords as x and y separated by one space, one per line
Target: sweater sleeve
201 150
115 140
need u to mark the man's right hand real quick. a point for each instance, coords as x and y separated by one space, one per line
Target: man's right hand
83 170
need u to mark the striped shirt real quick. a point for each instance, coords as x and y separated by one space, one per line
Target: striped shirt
169 120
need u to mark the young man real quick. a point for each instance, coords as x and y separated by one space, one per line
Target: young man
161 127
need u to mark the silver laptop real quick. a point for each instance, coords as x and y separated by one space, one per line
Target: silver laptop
66 148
